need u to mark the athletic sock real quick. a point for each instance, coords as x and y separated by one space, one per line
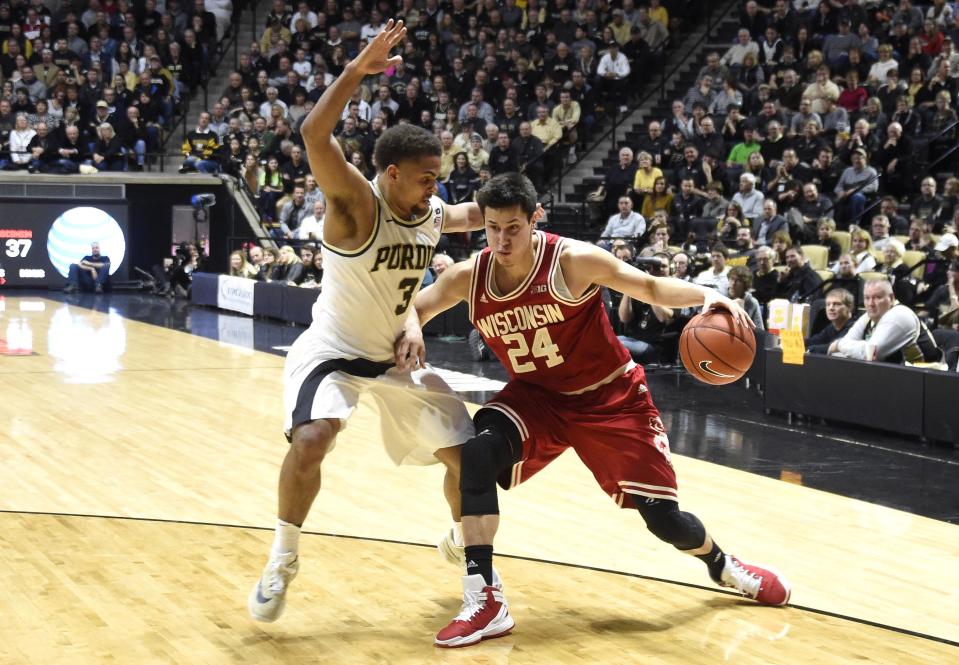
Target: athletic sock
458 534
479 560
286 538
715 561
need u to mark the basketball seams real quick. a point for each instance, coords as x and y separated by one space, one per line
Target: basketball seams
714 356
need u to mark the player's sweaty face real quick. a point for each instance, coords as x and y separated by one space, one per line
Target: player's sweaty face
417 182
508 232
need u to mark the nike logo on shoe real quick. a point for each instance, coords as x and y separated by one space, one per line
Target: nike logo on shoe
259 596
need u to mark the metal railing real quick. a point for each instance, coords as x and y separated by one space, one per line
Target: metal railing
913 175
219 52
554 188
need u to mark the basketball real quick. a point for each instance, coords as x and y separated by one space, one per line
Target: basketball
715 349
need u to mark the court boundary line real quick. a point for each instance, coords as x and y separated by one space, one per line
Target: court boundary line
690 585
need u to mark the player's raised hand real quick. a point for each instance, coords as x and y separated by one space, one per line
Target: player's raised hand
539 215
714 300
376 56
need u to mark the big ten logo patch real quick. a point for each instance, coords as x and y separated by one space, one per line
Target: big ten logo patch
660 440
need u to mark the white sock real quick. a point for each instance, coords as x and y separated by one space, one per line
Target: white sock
286 539
458 534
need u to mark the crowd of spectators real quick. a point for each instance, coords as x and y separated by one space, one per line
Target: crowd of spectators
93 84
505 85
810 160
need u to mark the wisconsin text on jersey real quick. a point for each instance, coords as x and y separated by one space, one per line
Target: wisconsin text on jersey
525 317
403 257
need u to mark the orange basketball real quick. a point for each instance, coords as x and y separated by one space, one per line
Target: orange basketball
715 349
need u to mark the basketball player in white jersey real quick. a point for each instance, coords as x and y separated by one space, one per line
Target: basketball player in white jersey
378 241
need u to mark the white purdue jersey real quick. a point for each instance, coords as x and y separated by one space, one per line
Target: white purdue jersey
367 292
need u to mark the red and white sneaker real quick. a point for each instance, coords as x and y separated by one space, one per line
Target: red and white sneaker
760 584
484 615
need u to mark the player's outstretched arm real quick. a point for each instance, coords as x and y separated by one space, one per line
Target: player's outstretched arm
449 289
344 186
585 264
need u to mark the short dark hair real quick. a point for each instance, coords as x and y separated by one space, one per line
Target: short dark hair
405 142
505 190
720 248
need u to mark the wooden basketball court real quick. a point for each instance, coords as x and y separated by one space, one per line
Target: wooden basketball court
138 491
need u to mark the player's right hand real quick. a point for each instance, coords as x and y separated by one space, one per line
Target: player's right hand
376 56
410 350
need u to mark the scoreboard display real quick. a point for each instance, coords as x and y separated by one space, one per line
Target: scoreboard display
39 241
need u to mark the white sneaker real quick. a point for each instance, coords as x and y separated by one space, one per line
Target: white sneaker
268 597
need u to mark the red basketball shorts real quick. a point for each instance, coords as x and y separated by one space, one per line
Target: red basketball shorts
615 429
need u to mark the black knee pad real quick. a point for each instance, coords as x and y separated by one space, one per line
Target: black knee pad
495 447
667 522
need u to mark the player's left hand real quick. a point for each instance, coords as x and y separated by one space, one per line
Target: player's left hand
714 300
410 350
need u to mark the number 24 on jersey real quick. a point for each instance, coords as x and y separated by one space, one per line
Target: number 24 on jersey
543 347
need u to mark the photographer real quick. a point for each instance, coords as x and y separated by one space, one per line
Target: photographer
642 325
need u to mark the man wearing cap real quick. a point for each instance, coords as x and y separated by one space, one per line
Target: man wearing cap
945 252
613 73
855 182
620 27
101 115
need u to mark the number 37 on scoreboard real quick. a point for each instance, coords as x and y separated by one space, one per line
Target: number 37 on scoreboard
18 247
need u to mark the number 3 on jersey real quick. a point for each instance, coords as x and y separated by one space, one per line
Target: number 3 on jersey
543 347
406 286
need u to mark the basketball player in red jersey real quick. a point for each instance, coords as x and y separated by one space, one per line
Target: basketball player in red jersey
534 297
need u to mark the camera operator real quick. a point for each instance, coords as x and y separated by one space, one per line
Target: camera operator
642 325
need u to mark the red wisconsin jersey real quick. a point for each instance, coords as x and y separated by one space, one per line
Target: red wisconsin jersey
540 333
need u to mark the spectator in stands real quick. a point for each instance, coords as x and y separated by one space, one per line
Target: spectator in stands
567 115
659 234
839 309
288 268
745 250
928 205
240 267
463 180
108 150
919 240
627 224
199 148
313 274
744 44
799 283
20 139
530 154
887 332
43 149
740 281
270 188
659 199
748 198
880 232
311 226
943 305
642 324
765 279
613 73
90 273
861 250
72 152
716 276
855 183
768 224
292 214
